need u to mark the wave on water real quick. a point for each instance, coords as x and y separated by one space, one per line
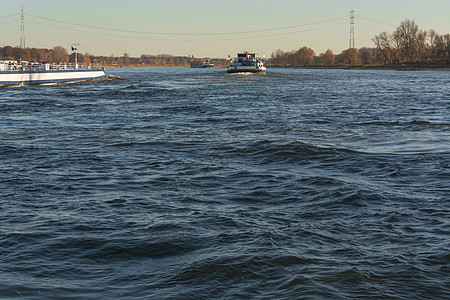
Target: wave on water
182 183
111 78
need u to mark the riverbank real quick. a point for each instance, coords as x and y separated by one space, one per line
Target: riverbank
337 67
398 67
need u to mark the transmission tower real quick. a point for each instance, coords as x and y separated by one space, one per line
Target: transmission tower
352 29
22 31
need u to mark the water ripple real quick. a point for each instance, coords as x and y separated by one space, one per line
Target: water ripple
188 183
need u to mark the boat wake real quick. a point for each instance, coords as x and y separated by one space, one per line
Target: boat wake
244 73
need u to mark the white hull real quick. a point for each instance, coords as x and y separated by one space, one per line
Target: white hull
51 76
246 69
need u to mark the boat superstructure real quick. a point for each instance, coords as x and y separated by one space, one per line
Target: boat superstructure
27 73
246 62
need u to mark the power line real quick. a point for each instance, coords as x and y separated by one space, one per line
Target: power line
376 22
10 16
190 39
8 22
305 30
101 34
184 34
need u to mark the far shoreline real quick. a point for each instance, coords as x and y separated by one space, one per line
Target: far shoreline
402 67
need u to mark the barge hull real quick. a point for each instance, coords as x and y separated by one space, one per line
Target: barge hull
44 77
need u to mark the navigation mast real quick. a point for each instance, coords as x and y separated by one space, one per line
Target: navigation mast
75 49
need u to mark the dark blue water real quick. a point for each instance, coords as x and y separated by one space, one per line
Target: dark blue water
196 184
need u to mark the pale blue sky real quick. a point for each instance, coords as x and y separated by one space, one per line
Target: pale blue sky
210 28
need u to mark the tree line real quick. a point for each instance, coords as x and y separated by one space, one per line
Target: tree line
305 57
408 44
59 54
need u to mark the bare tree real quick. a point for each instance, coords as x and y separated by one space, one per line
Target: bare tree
446 48
60 54
409 42
385 44
436 43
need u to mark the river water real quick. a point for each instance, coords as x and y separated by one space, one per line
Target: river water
197 184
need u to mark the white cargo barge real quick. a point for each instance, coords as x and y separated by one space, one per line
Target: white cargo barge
26 73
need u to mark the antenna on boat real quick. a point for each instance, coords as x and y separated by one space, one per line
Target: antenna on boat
75 49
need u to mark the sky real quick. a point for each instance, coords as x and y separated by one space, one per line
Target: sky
210 28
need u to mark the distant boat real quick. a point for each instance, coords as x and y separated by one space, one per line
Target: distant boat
246 62
28 73
202 64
